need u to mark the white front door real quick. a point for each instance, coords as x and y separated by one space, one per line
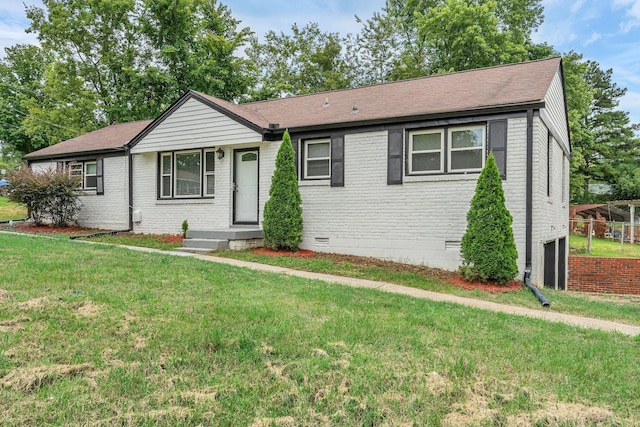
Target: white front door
245 196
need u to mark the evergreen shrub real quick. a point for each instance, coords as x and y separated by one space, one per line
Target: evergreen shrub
488 248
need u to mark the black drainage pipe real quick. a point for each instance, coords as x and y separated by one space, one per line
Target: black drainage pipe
536 292
13 220
99 233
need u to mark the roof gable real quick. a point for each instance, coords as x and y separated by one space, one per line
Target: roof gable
195 122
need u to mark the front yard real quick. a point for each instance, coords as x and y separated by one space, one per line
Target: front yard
10 210
102 335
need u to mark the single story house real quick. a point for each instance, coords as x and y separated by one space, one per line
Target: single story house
386 171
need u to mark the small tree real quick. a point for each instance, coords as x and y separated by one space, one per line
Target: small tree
282 225
49 195
488 247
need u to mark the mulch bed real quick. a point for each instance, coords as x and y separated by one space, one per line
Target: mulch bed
71 230
454 278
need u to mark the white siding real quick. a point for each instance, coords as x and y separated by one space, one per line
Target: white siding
111 210
555 113
195 125
43 166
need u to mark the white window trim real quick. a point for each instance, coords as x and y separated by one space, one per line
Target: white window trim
203 165
163 175
451 149
86 175
307 143
175 175
412 151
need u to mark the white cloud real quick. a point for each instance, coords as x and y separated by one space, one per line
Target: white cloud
631 103
594 38
576 6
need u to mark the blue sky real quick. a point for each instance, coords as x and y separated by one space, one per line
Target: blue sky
606 31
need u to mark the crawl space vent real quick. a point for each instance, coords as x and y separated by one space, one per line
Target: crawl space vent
322 242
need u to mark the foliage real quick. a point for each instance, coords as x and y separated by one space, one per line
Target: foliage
415 38
49 194
185 227
282 225
306 61
104 62
605 148
488 247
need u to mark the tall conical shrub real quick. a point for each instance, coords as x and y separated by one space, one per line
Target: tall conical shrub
488 248
282 224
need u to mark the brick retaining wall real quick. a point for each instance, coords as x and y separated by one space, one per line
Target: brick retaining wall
604 275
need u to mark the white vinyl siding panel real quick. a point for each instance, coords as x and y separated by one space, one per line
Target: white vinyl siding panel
555 112
195 125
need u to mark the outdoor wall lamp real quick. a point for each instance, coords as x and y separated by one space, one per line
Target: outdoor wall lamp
220 153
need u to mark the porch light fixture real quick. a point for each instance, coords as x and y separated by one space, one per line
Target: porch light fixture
220 153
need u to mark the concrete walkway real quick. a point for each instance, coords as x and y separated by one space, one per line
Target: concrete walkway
542 313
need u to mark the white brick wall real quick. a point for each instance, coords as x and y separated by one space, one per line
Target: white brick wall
111 210
550 213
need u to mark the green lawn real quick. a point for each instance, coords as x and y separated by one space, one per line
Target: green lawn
98 335
602 247
10 210
621 309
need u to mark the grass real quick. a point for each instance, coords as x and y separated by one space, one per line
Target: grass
10 210
608 248
155 241
101 335
621 309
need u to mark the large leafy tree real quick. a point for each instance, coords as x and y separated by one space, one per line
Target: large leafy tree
604 142
22 76
435 36
306 61
111 61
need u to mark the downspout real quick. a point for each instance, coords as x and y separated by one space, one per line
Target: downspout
529 213
127 150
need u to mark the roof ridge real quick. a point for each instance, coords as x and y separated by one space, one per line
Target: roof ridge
432 76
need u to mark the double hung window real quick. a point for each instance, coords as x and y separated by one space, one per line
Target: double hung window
317 159
187 174
463 148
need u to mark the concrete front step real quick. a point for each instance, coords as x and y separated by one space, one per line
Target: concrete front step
227 234
210 244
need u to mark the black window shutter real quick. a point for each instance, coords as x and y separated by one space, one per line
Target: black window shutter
394 157
498 144
337 161
296 154
99 177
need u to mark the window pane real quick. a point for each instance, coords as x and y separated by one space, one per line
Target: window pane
470 159
166 186
249 157
318 167
75 169
318 150
188 174
91 168
430 141
209 164
90 182
210 184
425 162
166 165
466 138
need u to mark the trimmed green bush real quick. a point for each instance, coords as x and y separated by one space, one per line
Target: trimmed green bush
48 195
282 224
488 248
